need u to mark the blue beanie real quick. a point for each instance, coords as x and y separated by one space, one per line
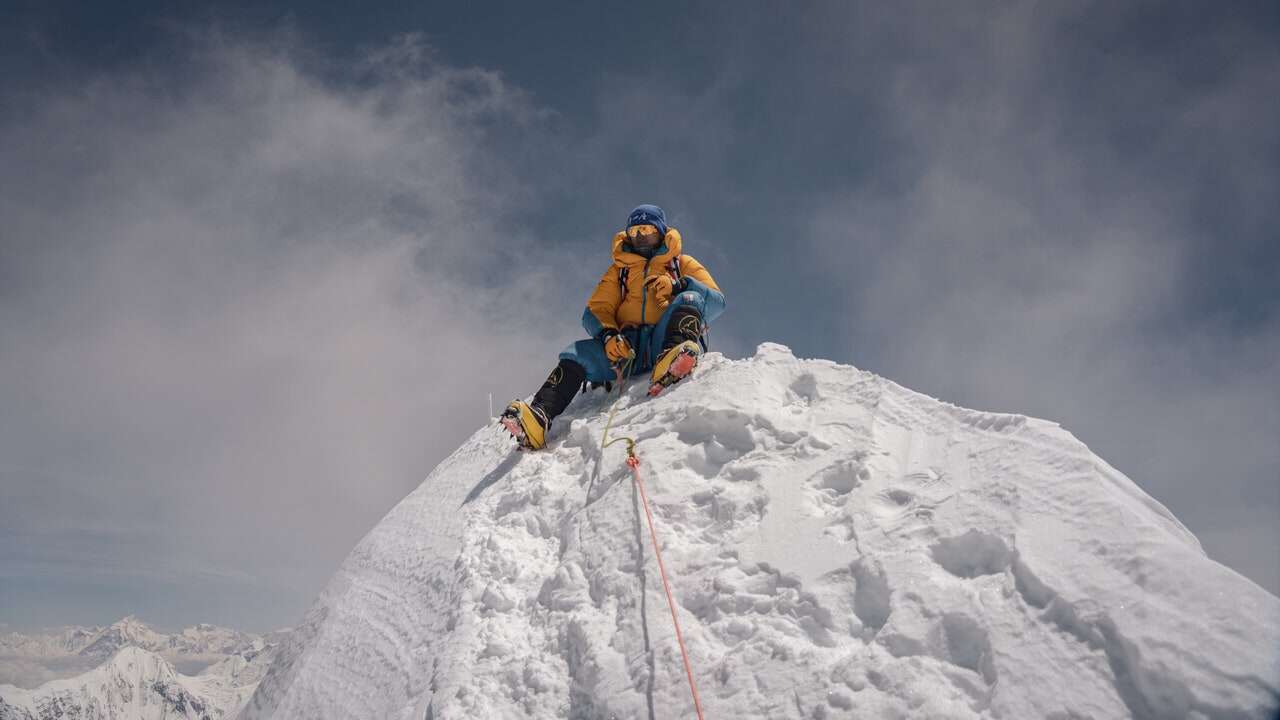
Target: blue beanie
649 215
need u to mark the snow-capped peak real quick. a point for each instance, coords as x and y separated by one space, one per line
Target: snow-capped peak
138 684
126 632
134 683
838 545
101 643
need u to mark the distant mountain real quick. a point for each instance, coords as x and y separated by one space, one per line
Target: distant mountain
102 642
63 641
128 632
137 684
126 671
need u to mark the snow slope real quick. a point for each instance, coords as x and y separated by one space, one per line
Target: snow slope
840 546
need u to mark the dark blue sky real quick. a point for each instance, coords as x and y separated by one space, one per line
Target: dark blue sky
1065 210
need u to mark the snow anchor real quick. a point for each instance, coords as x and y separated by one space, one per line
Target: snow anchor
633 462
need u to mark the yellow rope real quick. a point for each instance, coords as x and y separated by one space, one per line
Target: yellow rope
623 372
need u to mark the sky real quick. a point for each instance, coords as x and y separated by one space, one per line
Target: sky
262 268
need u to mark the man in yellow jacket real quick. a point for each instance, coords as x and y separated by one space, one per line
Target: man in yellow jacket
649 313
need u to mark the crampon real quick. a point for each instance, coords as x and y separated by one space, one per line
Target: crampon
512 424
677 371
524 424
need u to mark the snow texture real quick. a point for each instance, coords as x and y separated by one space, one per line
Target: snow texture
839 546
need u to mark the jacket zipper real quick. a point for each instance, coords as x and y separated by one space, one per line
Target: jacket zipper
644 289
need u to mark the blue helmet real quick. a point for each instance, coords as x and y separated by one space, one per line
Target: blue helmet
649 215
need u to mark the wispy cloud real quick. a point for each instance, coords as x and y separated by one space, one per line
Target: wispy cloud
250 294
247 305
1043 247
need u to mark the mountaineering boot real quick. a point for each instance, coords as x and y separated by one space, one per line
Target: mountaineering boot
680 349
530 422
674 364
527 423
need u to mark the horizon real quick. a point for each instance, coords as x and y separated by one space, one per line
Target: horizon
7 627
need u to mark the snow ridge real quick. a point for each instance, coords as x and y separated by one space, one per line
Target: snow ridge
839 546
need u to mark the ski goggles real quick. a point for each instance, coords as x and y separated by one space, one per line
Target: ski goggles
644 233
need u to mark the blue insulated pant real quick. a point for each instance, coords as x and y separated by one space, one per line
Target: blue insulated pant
646 340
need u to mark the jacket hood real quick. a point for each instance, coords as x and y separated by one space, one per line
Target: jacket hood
670 247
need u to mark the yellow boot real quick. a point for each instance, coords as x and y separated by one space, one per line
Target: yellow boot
674 364
527 423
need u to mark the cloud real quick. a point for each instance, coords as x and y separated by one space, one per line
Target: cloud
246 304
1059 209
32 672
251 293
1043 247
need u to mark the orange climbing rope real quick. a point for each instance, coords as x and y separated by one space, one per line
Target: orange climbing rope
633 462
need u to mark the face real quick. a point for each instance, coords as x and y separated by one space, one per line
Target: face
643 237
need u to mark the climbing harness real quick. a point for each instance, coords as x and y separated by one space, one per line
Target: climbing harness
633 462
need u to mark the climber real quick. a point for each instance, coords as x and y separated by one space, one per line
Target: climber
649 313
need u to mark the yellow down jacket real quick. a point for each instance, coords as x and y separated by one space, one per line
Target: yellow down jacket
616 308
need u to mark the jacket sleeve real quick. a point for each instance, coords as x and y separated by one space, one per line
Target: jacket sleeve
689 267
697 279
602 306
